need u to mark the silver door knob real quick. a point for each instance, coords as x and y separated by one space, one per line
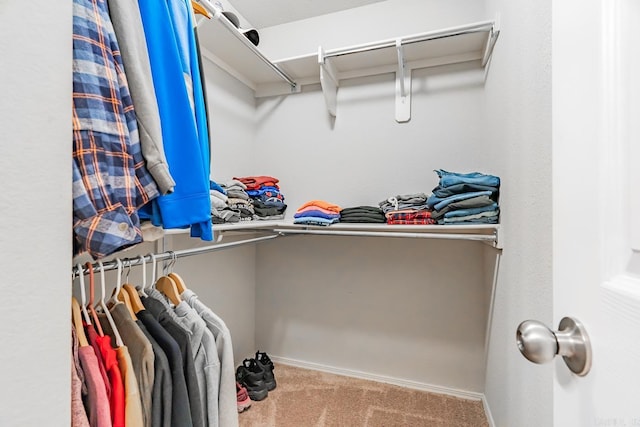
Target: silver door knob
540 344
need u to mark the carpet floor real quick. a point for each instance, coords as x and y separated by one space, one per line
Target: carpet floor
306 398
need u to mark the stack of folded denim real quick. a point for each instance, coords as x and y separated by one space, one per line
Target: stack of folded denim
268 200
407 209
465 198
317 212
362 214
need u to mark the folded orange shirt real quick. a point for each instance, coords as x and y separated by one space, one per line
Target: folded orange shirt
316 208
321 204
255 182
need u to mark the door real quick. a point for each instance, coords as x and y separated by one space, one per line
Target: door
596 205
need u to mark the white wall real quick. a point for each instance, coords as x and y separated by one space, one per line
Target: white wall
518 113
407 309
35 207
232 116
363 157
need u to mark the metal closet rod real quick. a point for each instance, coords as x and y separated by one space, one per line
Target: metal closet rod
217 14
445 236
130 262
457 31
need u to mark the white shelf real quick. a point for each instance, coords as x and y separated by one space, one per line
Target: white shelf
486 233
222 43
458 44
227 47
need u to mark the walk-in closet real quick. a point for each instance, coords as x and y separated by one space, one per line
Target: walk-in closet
353 105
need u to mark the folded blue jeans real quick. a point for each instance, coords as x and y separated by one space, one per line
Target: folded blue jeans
438 203
471 211
461 188
447 179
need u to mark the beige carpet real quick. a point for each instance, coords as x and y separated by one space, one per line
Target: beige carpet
306 398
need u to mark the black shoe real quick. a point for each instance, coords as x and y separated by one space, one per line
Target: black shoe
251 375
267 365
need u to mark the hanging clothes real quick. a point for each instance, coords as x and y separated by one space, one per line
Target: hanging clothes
127 24
117 394
78 413
176 76
182 337
180 409
139 351
110 179
227 401
162 384
98 403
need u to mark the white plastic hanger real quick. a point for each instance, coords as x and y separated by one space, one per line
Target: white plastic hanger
89 305
102 304
83 296
114 297
144 277
153 270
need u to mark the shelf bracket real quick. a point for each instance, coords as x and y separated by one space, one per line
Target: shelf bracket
491 40
403 87
329 81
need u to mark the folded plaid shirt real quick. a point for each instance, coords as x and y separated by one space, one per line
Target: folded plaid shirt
110 179
407 215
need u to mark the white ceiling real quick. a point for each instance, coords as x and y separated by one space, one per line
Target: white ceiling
266 13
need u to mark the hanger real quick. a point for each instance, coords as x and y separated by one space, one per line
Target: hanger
180 285
92 310
153 269
102 304
124 296
76 318
114 297
134 297
144 277
200 10
167 285
83 296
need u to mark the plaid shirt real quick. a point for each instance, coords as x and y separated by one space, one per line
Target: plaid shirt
410 215
110 179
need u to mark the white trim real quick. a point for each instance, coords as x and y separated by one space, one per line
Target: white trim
487 412
612 174
469 395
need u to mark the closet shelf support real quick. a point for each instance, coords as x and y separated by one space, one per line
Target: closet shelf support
487 238
329 81
403 87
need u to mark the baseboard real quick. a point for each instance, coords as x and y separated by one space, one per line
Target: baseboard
382 379
487 412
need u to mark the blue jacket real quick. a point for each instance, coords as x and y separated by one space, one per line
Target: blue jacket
168 31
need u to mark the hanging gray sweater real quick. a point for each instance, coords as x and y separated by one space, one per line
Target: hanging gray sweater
127 24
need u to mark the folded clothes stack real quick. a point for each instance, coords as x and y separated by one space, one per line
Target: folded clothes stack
230 202
264 192
407 209
317 212
465 198
362 214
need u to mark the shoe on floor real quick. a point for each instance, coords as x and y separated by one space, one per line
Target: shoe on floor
251 375
244 402
267 365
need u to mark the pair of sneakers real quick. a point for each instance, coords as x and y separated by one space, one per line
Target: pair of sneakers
256 375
